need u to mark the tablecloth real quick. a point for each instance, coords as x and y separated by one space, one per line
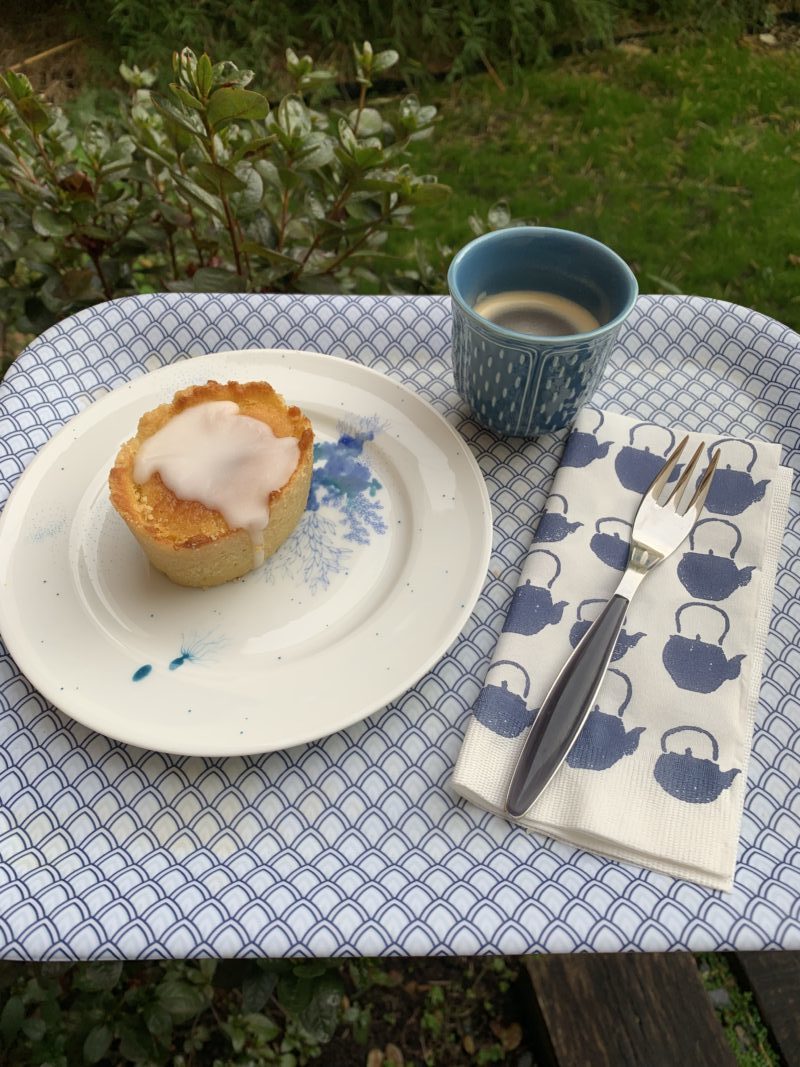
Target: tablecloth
355 845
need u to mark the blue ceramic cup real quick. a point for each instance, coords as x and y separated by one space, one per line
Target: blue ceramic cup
522 383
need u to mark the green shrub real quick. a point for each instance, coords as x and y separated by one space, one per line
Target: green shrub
206 189
460 35
229 1013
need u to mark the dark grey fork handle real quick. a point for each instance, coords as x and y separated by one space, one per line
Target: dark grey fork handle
565 709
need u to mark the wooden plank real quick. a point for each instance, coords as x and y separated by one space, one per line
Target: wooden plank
625 1010
774 979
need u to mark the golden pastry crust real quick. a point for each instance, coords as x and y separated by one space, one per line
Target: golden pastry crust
190 543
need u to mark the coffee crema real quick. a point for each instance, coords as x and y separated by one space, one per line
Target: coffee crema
536 312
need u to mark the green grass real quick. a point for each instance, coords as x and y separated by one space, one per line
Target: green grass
735 1010
686 160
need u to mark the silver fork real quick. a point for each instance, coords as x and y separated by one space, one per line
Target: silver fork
658 530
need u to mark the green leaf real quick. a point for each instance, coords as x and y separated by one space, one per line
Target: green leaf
207 967
315 78
61 293
135 1043
269 173
220 177
181 999
234 105
11 1019
158 1021
347 137
36 116
16 85
321 1016
236 1034
368 123
262 1027
217 280
256 990
38 316
192 191
34 1029
383 60
363 210
188 121
255 248
139 79
315 152
186 58
185 97
499 215
430 193
294 995
173 215
99 975
48 223
249 199
227 74
204 75
97 1043
369 153
251 149
293 116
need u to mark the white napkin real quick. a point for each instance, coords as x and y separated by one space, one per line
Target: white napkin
658 775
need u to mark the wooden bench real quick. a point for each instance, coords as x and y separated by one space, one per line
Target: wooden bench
652 1010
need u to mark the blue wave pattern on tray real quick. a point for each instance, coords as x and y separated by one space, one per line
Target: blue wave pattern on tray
353 844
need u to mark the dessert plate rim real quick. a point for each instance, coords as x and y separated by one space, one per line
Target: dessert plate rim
427 439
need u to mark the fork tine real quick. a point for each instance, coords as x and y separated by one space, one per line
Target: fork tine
677 493
701 492
662 477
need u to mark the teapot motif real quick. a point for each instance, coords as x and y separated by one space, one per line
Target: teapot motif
699 666
554 527
688 777
532 606
732 491
501 710
580 628
583 448
710 577
611 548
603 741
637 467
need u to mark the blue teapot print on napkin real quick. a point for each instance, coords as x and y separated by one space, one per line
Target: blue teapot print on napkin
532 606
612 549
733 491
604 741
583 448
580 628
637 467
694 779
554 526
707 576
499 708
694 664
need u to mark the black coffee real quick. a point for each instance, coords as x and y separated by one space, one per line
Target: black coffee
539 313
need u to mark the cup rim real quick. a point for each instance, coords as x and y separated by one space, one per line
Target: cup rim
532 338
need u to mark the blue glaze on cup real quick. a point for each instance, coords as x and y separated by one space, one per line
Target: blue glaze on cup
517 383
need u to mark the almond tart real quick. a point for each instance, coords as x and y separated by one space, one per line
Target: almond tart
210 495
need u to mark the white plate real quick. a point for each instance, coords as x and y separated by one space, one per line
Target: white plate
373 586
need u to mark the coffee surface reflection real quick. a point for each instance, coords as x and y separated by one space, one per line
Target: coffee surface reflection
535 312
